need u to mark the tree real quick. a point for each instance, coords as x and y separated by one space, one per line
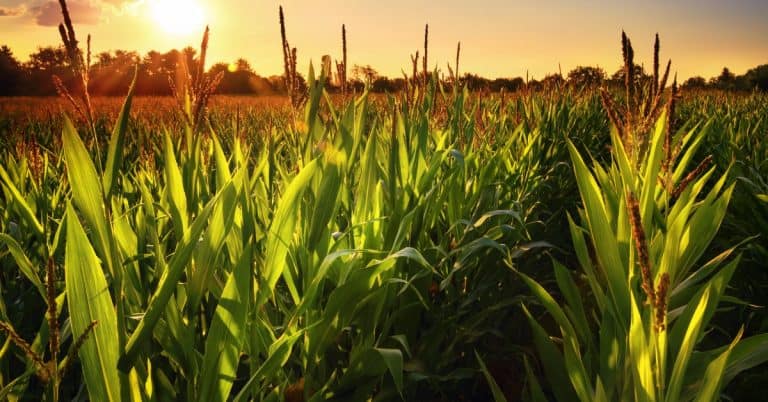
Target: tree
553 81
586 77
239 78
43 65
475 82
695 83
153 75
366 73
758 77
112 73
726 79
243 65
640 76
507 84
48 59
11 73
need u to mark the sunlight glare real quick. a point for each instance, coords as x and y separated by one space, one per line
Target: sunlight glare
178 17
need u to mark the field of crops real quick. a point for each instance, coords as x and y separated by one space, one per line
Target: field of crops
437 244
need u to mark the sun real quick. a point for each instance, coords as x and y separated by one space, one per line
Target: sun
178 17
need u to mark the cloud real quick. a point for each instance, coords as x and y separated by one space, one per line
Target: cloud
88 12
122 3
122 7
13 11
81 11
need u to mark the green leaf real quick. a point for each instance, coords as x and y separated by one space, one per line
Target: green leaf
640 353
747 353
115 152
714 288
18 199
89 300
552 360
282 228
325 203
279 352
573 298
686 348
24 264
223 173
174 187
225 338
498 395
550 304
713 377
167 285
603 237
534 388
87 192
209 249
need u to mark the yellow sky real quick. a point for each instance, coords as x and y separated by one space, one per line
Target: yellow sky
499 38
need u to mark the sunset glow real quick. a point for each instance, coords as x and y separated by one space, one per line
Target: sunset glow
499 38
178 17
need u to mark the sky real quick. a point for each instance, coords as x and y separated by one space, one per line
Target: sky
498 38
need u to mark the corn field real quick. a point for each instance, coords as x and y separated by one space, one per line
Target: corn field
431 245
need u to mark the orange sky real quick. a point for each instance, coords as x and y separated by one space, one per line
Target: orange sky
499 38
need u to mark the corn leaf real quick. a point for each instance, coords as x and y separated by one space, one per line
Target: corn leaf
117 141
89 300
225 337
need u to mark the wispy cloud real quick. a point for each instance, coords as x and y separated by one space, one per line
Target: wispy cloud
13 11
81 11
88 12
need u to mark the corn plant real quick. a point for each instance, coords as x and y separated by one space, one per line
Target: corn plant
639 245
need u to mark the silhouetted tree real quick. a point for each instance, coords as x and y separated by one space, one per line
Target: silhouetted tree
640 76
111 74
695 83
725 80
758 77
475 82
365 73
586 77
553 81
11 73
507 84
43 65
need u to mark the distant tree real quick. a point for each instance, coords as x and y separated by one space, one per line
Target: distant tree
190 56
640 76
553 81
397 84
356 85
475 82
726 79
534 84
277 83
243 65
507 84
239 78
261 86
695 83
381 84
111 74
586 77
43 65
364 73
758 77
11 73
48 59
154 70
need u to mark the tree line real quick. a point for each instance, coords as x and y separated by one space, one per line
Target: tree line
111 74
